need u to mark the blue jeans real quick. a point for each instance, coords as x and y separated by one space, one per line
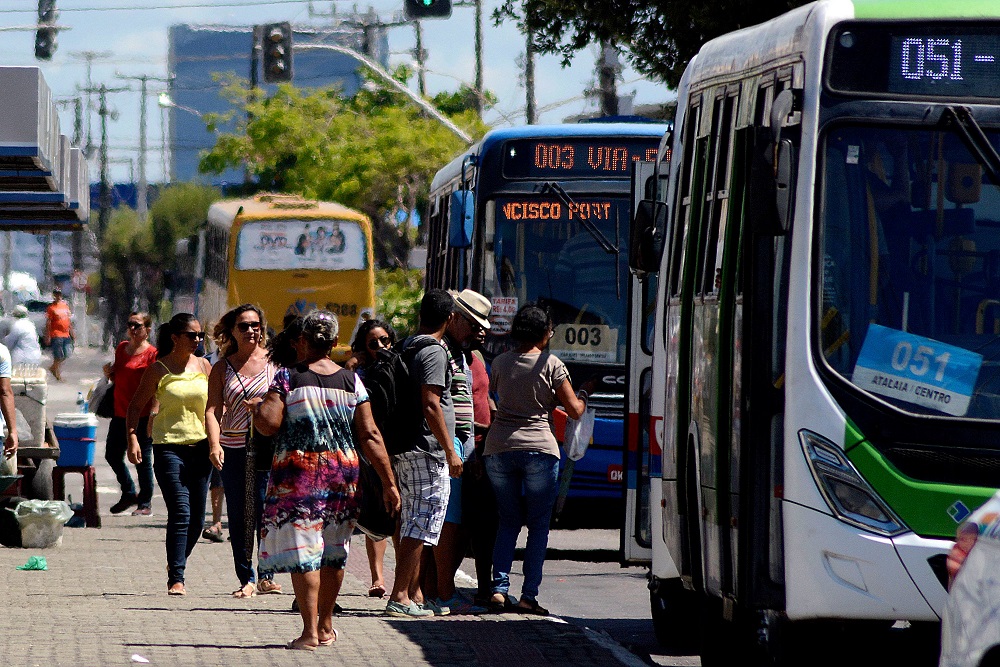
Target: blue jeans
182 472
114 454
525 485
234 479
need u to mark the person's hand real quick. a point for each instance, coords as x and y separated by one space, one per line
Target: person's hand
454 464
10 445
391 499
217 457
252 403
589 386
134 451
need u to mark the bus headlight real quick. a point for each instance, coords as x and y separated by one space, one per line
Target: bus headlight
849 496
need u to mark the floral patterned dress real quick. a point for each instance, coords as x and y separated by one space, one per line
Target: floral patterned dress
310 507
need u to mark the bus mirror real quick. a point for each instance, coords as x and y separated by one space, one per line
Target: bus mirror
784 178
646 242
460 224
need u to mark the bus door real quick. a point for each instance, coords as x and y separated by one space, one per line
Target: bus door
641 452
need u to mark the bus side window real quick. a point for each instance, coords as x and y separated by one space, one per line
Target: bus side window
683 215
711 277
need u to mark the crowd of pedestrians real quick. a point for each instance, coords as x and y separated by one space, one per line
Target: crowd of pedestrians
286 427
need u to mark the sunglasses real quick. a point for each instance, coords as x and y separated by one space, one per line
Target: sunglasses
376 343
247 326
193 335
135 326
476 326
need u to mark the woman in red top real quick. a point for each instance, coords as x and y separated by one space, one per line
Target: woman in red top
132 357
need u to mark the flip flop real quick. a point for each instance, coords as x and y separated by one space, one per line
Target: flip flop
293 646
376 592
241 593
329 642
177 591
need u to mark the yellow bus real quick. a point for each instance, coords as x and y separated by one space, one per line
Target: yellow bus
288 255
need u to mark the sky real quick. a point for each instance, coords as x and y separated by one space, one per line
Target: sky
134 33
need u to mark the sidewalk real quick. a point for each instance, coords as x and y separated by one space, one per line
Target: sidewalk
104 600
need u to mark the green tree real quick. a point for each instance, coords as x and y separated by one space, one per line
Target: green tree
126 249
661 36
375 152
397 298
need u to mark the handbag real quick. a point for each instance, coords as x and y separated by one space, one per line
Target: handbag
373 519
102 398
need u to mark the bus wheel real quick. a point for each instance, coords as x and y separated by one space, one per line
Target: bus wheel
675 616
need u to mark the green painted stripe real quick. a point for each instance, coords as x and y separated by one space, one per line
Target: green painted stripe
923 506
852 435
924 9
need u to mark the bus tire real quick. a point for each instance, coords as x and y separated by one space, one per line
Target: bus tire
40 487
675 616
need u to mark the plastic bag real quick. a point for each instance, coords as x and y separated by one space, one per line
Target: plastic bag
42 522
579 433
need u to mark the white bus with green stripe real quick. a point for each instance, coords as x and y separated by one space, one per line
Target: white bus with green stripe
815 359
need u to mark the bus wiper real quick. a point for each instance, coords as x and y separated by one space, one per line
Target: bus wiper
567 201
972 134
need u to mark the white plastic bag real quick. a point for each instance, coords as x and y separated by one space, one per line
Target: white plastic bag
42 522
579 433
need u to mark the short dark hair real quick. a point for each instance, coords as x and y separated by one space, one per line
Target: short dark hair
435 308
531 324
280 348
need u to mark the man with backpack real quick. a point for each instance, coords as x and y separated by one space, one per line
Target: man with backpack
424 458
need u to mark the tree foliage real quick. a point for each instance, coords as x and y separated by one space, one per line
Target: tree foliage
397 298
660 36
375 151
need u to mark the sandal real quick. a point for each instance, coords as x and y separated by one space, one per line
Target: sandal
173 590
532 608
294 645
213 534
329 642
376 591
242 592
267 586
498 604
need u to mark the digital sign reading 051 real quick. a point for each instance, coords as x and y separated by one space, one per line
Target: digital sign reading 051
956 60
574 158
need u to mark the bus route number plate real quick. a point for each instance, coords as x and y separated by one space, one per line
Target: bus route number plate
917 370
585 342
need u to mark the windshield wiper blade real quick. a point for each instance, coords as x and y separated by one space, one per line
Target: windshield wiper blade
976 140
567 201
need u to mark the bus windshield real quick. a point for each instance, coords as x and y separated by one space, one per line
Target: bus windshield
910 268
544 252
280 245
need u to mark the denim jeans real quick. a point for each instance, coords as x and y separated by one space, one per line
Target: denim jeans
525 485
234 478
114 454
182 472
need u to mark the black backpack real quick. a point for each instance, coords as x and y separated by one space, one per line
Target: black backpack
395 397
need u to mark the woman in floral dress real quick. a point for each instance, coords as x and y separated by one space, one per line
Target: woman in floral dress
310 507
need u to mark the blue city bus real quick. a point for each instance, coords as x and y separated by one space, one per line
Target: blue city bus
541 214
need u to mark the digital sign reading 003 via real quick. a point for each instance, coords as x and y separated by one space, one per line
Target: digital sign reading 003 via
954 60
574 158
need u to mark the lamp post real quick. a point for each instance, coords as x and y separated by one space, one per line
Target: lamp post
165 102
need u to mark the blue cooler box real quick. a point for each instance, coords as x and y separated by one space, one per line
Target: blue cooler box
76 433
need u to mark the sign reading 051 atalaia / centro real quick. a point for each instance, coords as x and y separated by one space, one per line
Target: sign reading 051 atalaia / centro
917 370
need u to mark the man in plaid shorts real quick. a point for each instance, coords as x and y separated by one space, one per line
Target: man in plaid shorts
423 469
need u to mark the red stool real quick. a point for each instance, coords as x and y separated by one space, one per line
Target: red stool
90 511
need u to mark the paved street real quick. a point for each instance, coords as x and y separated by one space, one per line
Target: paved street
103 600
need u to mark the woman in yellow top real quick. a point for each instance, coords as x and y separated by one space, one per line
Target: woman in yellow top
178 382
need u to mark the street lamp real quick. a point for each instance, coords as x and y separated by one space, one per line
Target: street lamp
166 103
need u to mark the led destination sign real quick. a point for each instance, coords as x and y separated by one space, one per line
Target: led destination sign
955 60
533 209
553 158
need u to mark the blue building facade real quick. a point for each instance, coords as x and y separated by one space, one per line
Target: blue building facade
200 54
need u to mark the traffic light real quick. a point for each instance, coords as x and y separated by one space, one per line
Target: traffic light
426 9
45 37
277 48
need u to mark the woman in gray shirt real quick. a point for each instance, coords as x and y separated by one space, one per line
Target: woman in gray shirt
521 453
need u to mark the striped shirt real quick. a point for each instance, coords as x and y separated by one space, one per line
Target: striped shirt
461 394
237 388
